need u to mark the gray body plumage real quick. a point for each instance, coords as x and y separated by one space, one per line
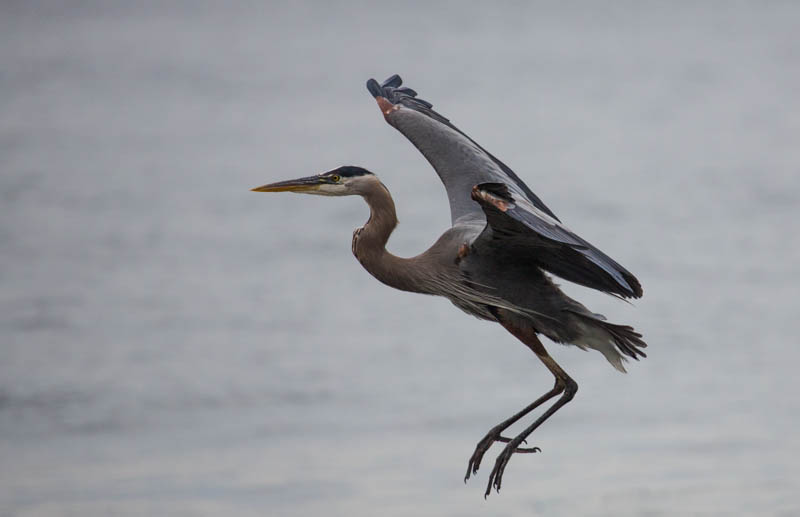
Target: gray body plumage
477 276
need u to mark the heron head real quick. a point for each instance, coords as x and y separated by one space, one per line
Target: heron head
344 181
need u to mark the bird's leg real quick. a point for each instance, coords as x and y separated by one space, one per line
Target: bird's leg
494 434
564 385
570 387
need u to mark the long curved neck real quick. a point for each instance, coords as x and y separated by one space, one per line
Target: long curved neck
369 243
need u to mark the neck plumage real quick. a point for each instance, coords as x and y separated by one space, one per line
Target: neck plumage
369 243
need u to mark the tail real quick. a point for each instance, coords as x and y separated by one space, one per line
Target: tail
628 341
624 341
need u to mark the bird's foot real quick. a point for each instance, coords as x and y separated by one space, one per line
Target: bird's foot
496 476
487 441
503 439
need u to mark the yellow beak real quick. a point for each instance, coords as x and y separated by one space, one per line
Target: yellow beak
298 185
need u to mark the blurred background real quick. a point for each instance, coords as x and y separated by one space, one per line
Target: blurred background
173 344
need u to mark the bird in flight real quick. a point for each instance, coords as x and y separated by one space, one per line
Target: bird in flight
496 260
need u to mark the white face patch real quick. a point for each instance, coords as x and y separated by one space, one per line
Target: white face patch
326 189
347 186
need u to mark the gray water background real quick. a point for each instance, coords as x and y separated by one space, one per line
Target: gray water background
172 344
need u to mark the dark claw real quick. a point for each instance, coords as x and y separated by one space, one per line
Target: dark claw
496 476
477 456
518 449
484 445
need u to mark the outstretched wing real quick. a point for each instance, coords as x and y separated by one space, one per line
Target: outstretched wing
514 214
512 221
458 160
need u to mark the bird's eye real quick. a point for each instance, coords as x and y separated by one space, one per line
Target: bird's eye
335 178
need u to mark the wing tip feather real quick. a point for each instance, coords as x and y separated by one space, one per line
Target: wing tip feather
385 89
379 90
392 89
374 88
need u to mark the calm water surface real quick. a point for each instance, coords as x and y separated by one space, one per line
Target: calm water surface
173 344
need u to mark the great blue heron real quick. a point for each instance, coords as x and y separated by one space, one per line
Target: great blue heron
493 262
